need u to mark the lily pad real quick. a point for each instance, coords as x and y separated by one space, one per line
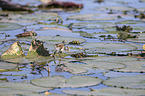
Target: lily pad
140 39
91 25
118 74
114 8
107 92
122 64
130 22
36 16
58 39
96 17
136 82
104 65
133 66
112 59
59 81
14 89
138 26
5 26
108 47
52 31
7 66
14 51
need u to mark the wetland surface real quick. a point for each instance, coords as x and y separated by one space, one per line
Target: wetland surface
103 63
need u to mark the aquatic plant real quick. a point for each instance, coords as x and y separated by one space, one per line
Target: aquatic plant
14 51
124 35
79 55
141 16
124 28
37 48
75 42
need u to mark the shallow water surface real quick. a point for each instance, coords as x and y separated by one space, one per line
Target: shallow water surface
89 23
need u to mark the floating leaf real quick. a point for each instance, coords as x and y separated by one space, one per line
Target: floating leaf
112 59
5 26
97 17
123 64
109 47
39 16
140 39
133 66
14 89
92 17
127 82
7 66
104 65
117 74
114 8
91 25
59 81
14 51
106 92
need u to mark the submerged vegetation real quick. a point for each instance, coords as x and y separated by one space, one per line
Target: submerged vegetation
72 47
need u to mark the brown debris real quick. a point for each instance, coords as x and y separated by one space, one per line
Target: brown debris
75 42
26 34
79 55
6 5
37 46
143 54
65 5
141 16
124 28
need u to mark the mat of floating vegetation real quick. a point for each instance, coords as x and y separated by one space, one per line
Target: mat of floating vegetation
60 81
110 47
136 82
5 26
106 92
14 89
52 40
4 66
97 17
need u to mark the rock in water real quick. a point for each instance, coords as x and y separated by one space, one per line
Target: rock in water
37 48
14 50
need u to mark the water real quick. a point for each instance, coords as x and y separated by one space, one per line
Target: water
27 73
